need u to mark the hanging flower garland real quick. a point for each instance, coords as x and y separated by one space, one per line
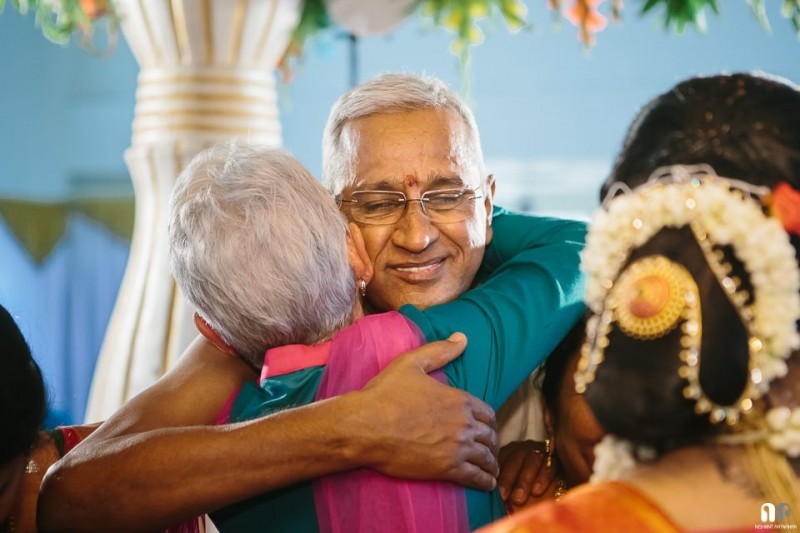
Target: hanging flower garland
464 17
60 19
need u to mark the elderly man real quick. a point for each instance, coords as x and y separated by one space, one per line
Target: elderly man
152 456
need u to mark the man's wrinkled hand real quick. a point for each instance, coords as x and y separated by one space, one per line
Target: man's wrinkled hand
428 430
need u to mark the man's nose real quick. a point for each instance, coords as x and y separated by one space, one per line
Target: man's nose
415 231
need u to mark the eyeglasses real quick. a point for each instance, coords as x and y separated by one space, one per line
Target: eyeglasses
388 207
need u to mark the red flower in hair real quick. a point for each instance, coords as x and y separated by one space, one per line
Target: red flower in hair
785 205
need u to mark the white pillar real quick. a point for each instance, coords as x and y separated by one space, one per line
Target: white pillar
207 74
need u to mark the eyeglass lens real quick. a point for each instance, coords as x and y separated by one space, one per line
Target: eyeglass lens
388 207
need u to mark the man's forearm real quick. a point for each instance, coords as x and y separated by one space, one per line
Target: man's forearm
403 423
153 479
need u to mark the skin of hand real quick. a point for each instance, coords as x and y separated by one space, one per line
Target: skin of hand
573 430
524 477
451 429
166 457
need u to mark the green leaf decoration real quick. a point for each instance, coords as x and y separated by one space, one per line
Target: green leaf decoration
760 12
465 17
680 13
791 10
60 19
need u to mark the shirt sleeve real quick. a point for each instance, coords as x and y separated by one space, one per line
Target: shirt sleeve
530 295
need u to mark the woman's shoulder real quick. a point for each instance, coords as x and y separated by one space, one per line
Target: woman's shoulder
611 506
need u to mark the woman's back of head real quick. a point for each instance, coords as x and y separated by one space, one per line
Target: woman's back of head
258 247
746 128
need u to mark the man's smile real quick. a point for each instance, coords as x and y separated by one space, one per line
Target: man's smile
418 271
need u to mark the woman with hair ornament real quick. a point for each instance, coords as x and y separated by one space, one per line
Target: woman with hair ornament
691 363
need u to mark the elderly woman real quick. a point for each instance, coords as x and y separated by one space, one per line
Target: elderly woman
262 251
691 360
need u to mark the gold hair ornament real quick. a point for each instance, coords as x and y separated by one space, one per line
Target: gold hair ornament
649 297
730 214
677 299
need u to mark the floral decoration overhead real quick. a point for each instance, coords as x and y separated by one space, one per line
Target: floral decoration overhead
60 19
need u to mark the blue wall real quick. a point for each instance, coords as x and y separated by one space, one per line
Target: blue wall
536 94
551 114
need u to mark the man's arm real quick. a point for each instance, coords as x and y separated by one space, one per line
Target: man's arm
170 468
529 297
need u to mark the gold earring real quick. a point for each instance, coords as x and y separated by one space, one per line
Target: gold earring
548 450
31 467
561 489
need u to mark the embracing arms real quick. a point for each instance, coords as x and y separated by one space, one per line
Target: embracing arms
158 460
530 296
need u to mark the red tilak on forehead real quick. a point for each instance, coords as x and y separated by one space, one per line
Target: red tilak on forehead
411 180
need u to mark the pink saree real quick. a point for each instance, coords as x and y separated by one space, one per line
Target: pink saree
364 500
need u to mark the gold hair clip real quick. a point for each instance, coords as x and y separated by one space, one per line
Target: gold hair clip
671 295
647 299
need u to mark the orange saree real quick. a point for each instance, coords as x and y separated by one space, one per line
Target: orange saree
609 506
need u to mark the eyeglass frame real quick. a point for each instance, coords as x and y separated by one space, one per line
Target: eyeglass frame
406 200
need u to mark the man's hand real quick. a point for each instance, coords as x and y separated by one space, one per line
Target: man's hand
423 429
524 476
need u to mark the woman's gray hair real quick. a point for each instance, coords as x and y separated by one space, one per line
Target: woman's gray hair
393 93
258 247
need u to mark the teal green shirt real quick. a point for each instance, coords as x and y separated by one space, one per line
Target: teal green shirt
529 295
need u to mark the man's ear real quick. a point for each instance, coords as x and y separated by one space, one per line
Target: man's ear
211 334
488 203
357 253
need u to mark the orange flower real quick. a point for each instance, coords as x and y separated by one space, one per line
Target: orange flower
94 9
785 205
585 15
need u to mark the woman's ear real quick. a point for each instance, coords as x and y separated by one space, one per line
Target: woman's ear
357 253
211 334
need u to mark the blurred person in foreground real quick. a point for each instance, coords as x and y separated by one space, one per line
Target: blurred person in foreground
691 362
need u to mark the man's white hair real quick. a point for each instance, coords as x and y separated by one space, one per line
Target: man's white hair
258 247
393 93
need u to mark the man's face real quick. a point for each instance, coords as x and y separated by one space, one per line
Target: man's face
416 261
